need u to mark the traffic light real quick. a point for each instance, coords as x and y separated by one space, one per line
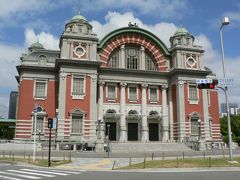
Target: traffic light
208 85
50 123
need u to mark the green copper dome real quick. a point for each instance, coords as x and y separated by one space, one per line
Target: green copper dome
181 31
78 18
37 45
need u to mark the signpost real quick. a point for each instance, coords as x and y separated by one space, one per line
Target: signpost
226 82
50 126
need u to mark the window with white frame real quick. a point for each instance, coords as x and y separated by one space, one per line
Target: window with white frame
192 92
132 57
132 93
40 89
77 124
194 126
111 92
149 63
78 86
114 60
39 124
153 94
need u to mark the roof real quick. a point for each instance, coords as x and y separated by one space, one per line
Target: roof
78 18
37 45
8 120
181 31
136 30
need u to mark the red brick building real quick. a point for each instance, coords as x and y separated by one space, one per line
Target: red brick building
129 80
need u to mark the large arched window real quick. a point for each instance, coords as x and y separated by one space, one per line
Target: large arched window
114 60
132 57
149 62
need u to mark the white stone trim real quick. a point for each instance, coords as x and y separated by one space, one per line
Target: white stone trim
84 86
133 85
111 84
34 88
191 101
149 94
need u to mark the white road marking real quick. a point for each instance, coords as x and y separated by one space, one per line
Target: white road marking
21 175
69 172
4 164
31 173
47 172
9 178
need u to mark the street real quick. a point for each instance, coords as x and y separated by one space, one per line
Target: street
21 172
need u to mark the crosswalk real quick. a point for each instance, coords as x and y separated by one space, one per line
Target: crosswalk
27 174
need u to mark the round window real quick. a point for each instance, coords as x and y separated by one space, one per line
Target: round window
191 61
79 51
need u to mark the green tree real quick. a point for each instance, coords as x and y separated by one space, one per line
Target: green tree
235 126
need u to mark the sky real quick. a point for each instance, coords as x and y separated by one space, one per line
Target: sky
23 22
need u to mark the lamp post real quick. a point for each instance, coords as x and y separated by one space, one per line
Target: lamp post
224 23
199 130
34 136
108 148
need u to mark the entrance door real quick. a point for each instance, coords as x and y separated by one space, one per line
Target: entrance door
112 131
153 132
132 131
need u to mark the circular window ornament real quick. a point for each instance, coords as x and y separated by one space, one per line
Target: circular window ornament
79 51
191 62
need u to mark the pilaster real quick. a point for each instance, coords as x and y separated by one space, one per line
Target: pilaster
164 114
123 127
145 130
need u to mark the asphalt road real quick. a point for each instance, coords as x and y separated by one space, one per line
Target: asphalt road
16 172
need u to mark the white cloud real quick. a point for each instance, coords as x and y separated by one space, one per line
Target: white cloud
48 40
163 8
116 20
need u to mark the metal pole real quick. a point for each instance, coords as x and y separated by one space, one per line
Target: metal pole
34 136
226 97
49 148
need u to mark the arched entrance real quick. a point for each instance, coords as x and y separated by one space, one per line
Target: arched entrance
154 126
133 125
111 124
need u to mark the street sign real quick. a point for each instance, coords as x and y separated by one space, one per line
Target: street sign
54 123
203 81
226 82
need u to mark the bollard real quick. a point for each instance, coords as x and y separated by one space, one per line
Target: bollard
113 165
28 158
24 154
177 162
70 156
13 156
144 162
3 154
183 154
223 154
64 156
210 162
10 154
130 161
204 154
42 155
163 156
152 156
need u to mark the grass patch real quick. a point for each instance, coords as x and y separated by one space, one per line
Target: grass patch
185 163
37 162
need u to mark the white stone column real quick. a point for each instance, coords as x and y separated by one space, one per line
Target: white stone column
61 104
142 62
170 113
122 56
100 107
180 110
123 125
165 115
145 130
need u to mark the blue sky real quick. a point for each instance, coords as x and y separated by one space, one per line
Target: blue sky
22 22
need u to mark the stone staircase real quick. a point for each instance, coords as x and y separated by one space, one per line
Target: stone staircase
147 147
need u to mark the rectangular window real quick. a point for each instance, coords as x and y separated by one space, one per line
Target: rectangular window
40 89
77 123
153 95
39 125
78 86
133 93
111 93
194 127
193 92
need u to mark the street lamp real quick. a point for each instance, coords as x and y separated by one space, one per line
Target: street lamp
108 148
199 129
226 22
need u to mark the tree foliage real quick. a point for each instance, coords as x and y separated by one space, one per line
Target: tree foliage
235 126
